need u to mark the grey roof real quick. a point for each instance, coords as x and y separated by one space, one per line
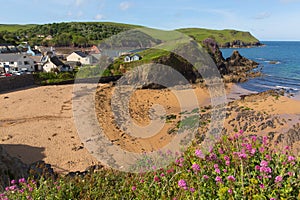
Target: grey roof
56 61
10 57
81 54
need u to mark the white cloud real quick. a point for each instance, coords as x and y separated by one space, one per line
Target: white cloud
124 5
99 17
262 15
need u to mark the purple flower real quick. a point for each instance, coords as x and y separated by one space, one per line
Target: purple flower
156 179
217 170
262 186
230 191
290 173
257 167
254 138
192 190
230 178
272 199
265 140
216 166
241 131
213 156
278 179
268 157
261 149
133 188
205 177
195 167
264 163
291 158
162 174
182 183
227 162
225 170
267 170
253 151
218 179
199 153
242 155
22 180
226 158
13 182
221 151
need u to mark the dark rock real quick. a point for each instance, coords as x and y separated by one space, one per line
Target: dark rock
10 168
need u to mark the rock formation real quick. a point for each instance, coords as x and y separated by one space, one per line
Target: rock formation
235 68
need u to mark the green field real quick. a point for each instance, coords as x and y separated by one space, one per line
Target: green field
15 27
221 36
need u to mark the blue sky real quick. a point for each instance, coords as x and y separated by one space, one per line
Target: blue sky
265 19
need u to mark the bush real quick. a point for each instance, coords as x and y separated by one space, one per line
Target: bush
237 167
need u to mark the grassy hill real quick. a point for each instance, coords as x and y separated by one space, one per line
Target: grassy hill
88 33
15 27
220 36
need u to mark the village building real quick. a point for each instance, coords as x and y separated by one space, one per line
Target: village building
51 64
10 62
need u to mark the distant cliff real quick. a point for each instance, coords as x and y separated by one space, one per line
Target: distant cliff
224 38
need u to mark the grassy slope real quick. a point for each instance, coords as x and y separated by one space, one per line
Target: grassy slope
15 27
221 36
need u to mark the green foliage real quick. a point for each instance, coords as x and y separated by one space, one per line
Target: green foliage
64 34
238 167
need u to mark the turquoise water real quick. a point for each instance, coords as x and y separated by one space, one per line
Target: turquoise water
284 74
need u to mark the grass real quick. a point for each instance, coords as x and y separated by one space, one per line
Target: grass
15 27
237 167
221 36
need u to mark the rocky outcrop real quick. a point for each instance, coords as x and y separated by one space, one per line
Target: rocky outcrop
240 44
235 68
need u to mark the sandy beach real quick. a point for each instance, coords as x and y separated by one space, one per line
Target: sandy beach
38 124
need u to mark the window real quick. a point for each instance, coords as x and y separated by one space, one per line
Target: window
26 63
11 63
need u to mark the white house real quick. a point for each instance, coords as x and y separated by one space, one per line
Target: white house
127 59
78 56
135 57
53 64
16 62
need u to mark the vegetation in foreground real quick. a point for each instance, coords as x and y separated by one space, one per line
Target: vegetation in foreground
238 167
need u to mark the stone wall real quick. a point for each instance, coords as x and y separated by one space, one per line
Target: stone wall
16 82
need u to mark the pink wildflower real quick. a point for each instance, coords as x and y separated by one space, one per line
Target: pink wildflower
231 178
218 179
195 167
182 183
278 179
199 153
264 163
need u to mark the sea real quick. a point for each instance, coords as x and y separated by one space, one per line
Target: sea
279 63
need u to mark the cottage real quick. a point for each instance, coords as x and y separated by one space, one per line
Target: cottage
78 56
16 62
53 64
135 57
127 59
